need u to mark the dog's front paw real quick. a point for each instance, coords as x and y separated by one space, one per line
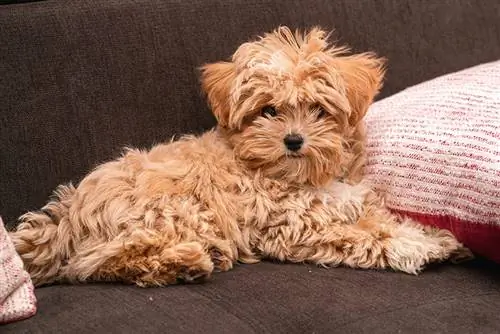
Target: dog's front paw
462 254
453 249
412 247
409 256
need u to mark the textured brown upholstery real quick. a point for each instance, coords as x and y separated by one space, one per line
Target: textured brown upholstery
80 79
277 298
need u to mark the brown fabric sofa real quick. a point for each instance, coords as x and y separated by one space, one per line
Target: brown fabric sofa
80 79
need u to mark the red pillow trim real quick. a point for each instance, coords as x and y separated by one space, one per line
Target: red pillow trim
483 239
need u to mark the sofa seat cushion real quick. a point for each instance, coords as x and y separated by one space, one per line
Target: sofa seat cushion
281 298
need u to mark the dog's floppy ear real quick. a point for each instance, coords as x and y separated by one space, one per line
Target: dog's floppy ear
363 75
216 81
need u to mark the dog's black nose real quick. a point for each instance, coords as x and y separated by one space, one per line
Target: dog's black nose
293 142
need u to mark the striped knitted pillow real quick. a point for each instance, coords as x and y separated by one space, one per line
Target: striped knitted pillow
434 149
17 298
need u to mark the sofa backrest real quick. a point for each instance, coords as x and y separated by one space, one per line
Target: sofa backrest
80 79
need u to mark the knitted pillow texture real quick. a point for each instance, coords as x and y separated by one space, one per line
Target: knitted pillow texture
17 297
434 150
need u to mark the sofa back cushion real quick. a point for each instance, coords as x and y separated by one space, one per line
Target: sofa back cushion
81 79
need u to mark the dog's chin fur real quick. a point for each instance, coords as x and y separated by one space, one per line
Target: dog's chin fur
239 192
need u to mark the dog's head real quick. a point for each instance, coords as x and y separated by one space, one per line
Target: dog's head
291 104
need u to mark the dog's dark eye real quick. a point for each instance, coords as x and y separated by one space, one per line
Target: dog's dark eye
321 112
269 111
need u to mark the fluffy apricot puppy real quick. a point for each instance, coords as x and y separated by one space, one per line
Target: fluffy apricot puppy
279 178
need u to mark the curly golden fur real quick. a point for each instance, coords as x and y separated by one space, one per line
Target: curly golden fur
279 178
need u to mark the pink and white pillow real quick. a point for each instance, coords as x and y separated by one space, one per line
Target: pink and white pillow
434 149
17 298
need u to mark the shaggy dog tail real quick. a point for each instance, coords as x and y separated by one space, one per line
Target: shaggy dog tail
43 239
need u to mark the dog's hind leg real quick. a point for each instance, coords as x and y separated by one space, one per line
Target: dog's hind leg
143 257
42 238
